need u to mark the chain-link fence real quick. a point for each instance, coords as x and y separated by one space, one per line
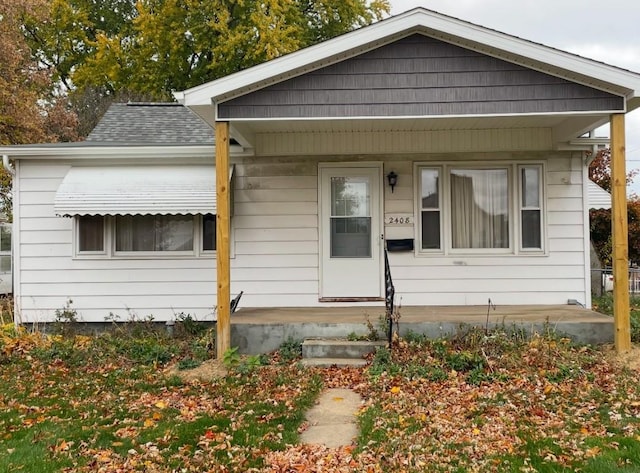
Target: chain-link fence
602 280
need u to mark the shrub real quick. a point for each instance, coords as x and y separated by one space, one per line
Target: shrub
290 350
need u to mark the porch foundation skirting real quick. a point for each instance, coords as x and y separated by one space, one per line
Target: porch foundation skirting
262 330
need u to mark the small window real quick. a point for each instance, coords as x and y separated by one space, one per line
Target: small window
5 237
430 208
5 264
90 234
530 208
209 232
154 233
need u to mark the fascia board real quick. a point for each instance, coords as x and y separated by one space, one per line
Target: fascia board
495 43
115 152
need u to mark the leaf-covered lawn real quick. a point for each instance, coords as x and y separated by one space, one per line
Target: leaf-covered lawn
478 402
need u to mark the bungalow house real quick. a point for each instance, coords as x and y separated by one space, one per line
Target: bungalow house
461 149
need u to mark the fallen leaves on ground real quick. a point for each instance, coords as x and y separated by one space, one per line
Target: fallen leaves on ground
481 404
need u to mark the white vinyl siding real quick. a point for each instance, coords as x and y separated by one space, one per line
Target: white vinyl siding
276 251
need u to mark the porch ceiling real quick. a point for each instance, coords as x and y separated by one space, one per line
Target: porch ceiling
565 128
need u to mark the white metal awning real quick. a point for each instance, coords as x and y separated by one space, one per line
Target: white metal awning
137 190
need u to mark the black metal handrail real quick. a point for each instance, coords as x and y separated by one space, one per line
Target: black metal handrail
389 295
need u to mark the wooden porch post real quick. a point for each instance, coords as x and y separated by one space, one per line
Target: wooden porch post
619 227
223 335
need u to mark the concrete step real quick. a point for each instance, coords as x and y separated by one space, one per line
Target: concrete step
329 362
338 348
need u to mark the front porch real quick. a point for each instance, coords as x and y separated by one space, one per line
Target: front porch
261 330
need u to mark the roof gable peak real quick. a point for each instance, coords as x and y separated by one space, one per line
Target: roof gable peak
430 23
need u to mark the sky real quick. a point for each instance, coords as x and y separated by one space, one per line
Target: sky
604 31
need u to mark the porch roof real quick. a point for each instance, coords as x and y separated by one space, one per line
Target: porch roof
205 99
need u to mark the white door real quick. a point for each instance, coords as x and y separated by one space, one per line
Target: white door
350 229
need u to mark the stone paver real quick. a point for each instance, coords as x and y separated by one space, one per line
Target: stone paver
332 421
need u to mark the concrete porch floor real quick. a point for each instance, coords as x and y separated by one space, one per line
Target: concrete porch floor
261 330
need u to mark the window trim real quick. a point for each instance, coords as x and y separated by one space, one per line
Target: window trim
111 253
200 237
441 198
76 239
514 185
541 207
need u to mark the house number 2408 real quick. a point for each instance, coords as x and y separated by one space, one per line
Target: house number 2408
394 220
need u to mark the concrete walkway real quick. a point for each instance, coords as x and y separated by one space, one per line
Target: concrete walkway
332 421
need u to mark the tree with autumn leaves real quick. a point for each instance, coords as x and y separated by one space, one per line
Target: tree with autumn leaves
62 62
600 219
101 50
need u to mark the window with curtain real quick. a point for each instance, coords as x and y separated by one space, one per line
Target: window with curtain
530 208
154 233
479 208
90 233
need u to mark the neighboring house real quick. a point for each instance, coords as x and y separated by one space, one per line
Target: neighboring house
597 197
482 131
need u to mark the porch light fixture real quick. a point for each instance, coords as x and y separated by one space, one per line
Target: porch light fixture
392 177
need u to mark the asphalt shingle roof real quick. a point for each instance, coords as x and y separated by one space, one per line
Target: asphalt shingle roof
151 123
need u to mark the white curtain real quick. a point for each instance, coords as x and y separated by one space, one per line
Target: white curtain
154 233
480 208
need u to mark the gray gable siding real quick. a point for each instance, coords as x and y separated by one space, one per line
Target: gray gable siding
419 76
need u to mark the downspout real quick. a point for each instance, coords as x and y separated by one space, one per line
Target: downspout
7 165
9 168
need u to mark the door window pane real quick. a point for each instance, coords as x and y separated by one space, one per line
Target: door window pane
350 197
479 208
90 233
350 217
154 233
351 237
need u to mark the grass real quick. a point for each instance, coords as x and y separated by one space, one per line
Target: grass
75 403
475 402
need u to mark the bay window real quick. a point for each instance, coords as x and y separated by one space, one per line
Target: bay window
480 209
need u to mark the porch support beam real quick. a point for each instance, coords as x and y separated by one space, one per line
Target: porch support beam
619 227
223 257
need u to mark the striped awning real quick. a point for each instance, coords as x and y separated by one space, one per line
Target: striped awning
137 190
